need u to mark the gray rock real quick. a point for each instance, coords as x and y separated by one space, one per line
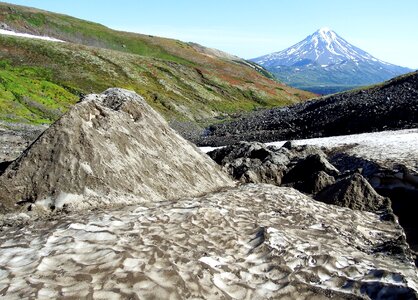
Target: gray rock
356 193
248 170
253 162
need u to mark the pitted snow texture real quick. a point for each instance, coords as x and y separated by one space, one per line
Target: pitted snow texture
252 242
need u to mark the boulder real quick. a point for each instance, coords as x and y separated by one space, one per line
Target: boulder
109 148
248 170
253 162
306 167
356 193
315 183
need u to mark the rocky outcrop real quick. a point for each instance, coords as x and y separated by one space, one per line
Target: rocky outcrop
392 105
354 192
314 183
305 168
313 163
310 170
109 148
253 162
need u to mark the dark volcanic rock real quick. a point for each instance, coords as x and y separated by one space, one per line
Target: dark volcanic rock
393 105
356 193
306 167
252 162
311 170
315 183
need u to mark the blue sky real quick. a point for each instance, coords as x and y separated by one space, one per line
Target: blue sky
387 29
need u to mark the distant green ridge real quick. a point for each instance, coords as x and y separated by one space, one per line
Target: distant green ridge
42 79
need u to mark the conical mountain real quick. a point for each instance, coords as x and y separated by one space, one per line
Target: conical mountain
109 148
325 62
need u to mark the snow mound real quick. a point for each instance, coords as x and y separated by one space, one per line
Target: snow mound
108 148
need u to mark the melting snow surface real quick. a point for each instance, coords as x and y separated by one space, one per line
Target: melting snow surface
273 243
26 35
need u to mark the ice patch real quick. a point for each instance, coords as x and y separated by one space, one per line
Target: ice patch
318 226
208 149
44 203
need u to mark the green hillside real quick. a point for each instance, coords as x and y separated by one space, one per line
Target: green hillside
39 80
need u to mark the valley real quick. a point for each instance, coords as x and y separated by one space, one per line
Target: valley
134 166
184 82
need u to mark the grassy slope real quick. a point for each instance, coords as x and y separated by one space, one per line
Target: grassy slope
39 80
28 95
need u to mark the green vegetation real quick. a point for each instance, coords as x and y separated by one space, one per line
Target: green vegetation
27 95
39 80
80 31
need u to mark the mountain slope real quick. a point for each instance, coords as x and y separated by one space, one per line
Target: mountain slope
176 78
391 105
325 62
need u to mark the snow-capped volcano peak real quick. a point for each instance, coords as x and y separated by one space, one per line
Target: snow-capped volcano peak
326 34
323 47
324 29
325 62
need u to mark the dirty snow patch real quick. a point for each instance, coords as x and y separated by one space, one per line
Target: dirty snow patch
27 35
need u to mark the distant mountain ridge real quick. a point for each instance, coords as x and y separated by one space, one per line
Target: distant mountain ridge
324 63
